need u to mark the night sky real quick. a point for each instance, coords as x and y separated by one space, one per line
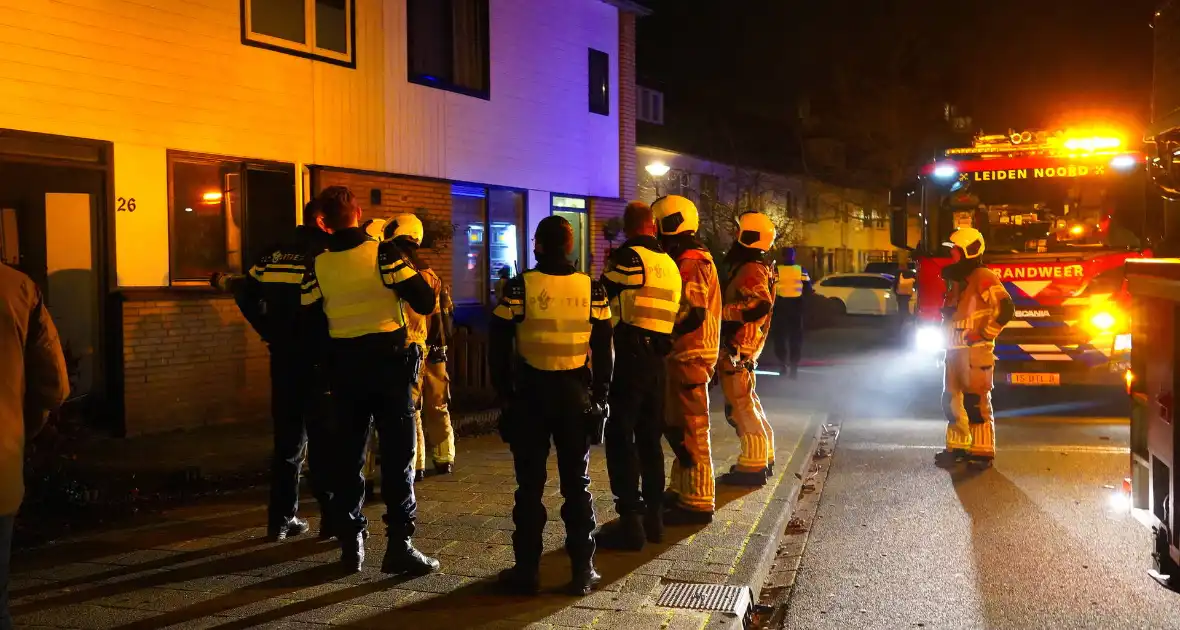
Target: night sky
877 73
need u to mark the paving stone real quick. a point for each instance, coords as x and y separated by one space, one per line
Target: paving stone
630 620
83 617
606 600
686 621
154 599
643 584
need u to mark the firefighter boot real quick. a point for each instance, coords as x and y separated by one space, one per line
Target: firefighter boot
949 458
626 533
750 479
403 558
519 580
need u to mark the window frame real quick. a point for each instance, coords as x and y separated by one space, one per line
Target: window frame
245 247
603 108
486 222
449 85
584 265
307 50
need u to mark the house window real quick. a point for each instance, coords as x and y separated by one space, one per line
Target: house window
573 209
449 45
212 227
599 82
319 29
488 240
651 106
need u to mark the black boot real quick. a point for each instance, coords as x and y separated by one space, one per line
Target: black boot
585 579
287 528
626 533
793 373
444 469
979 462
671 499
653 524
519 580
739 478
681 516
352 552
402 558
419 475
949 458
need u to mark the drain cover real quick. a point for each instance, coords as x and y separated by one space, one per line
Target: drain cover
732 599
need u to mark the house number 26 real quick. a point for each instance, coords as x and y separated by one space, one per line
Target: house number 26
126 204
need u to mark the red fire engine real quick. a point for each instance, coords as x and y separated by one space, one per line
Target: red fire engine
1060 212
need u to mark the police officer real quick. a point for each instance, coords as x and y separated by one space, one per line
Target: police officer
791 289
269 298
690 366
560 370
643 284
976 309
748 302
431 391
362 286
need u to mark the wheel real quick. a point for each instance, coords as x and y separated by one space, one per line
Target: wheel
839 308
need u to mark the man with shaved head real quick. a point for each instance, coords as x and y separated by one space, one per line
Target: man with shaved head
644 287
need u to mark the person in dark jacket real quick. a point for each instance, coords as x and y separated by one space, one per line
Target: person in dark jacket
269 298
34 383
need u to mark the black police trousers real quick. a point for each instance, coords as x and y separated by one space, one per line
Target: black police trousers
371 378
636 424
549 408
299 413
787 330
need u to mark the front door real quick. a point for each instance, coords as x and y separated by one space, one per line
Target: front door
48 219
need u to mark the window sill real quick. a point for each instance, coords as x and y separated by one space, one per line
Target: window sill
448 87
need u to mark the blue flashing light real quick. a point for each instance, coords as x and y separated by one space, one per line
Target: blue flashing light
945 171
1123 162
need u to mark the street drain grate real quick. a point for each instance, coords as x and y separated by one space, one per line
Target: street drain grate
731 599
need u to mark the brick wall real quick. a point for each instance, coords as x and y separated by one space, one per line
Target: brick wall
602 210
429 200
190 361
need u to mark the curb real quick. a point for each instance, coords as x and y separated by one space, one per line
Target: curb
761 550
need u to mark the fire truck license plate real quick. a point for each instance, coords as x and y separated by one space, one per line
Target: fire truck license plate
1034 378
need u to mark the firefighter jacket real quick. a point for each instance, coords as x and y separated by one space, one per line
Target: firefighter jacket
644 287
697 335
363 286
905 284
559 320
976 309
418 327
269 295
749 298
791 281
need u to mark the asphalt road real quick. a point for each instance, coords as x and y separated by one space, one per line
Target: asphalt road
1033 542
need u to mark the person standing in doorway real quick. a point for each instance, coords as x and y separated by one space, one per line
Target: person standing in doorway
794 285
35 382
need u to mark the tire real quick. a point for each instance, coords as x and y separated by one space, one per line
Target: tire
839 308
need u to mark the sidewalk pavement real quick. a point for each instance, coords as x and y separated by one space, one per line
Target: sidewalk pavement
207 566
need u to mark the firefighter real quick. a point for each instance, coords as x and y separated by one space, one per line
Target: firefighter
793 286
643 284
690 366
749 300
553 388
431 391
269 298
904 288
976 309
363 286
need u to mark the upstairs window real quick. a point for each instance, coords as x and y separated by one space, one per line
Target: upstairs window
317 29
650 106
599 82
449 45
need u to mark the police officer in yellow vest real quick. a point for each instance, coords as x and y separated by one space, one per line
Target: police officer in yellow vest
553 389
425 331
643 284
976 309
794 285
362 286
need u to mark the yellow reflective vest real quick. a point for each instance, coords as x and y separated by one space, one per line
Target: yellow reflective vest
555 332
356 300
790 281
654 305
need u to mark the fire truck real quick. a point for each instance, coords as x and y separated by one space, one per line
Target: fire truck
1061 212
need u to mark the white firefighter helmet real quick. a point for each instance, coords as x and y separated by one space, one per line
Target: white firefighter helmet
374 227
405 226
968 239
675 215
756 231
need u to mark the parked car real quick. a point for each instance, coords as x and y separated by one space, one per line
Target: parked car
887 267
860 293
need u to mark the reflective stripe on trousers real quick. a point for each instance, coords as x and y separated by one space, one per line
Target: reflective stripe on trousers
687 410
432 394
967 400
755 432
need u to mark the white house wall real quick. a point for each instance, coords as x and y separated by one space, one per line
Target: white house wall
536 131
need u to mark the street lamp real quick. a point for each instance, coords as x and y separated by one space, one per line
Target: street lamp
657 169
